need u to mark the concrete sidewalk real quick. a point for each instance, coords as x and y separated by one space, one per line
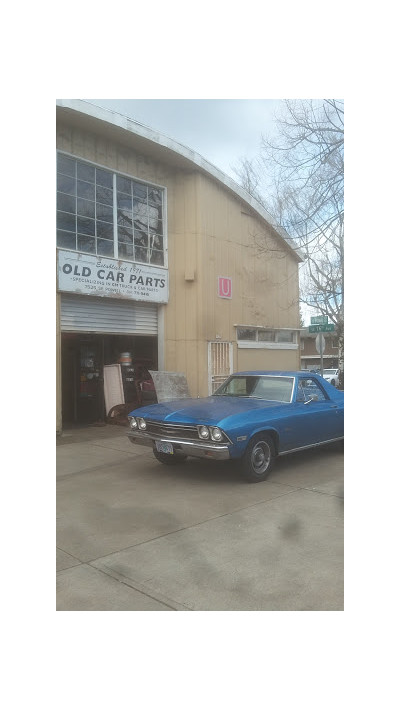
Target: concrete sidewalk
133 534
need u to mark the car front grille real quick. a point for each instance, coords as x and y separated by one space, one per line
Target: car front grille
161 429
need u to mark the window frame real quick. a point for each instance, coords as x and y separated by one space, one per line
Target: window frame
115 225
271 345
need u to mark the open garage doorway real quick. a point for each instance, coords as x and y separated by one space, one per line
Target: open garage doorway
83 357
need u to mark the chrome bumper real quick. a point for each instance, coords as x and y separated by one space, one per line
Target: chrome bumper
190 449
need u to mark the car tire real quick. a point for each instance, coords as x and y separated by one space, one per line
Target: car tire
258 459
169 459
333 382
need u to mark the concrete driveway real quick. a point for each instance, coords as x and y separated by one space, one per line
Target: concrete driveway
133 534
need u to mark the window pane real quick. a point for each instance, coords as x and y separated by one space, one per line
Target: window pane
140 209
125 235
66 202
104 178
246 334
157 257
156 242
154 218
124 201
141 254
104 195
140 225
125 251
104 229
66 165
85 172
104 212
66 240
125 218
85 190
123 185
284 336
309 389
155 196
85 226
105 247
139 190
157 227
65 221
266 335
141 239
66 184
87 244
86 207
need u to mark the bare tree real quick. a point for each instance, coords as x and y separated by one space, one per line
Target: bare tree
299 178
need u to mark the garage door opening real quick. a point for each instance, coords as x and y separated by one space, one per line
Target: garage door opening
83 357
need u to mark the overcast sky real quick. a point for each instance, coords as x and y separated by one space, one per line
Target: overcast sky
221 130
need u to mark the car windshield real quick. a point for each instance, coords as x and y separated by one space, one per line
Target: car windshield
265 387
329 371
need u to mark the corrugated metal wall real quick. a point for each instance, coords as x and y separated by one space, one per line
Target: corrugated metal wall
100 315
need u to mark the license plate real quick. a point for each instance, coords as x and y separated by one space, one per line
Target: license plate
164 447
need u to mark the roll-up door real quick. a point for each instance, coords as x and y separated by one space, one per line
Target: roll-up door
101 315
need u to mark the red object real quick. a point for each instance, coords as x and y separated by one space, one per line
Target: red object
225 287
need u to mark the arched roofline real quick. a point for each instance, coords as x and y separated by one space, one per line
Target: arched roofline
155 143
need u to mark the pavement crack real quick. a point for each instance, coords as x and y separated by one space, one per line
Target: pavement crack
138 587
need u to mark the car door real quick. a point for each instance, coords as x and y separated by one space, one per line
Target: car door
316 418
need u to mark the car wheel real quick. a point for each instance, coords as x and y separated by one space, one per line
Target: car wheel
258 458
333 382
169 458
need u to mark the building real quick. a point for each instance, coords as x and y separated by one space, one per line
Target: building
310 358
162 256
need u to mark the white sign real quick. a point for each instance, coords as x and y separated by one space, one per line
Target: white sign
320 343
102 276
113 387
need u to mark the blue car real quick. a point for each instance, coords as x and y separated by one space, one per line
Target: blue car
253 417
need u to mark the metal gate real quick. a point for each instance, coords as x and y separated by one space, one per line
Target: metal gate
101 315
220 363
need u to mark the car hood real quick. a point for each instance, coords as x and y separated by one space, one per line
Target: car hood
210 410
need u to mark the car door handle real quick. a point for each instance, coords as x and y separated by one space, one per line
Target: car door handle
334 407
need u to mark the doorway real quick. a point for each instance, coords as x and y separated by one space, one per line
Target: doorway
83 357
220 363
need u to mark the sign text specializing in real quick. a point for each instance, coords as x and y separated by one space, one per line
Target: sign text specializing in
99 276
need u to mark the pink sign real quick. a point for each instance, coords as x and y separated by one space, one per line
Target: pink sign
225 287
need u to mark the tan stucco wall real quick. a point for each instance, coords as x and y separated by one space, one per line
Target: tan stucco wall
211 233
266 359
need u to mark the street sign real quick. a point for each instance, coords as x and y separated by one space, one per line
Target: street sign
320 344
321 328
319 319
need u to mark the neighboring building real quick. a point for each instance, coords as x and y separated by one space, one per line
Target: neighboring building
157 256
310 358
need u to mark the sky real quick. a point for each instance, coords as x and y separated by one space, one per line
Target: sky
222 130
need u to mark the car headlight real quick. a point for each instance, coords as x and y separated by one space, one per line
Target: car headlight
133 423
141 423
216 434
204 432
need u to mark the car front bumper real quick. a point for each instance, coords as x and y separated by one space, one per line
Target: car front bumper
188 448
